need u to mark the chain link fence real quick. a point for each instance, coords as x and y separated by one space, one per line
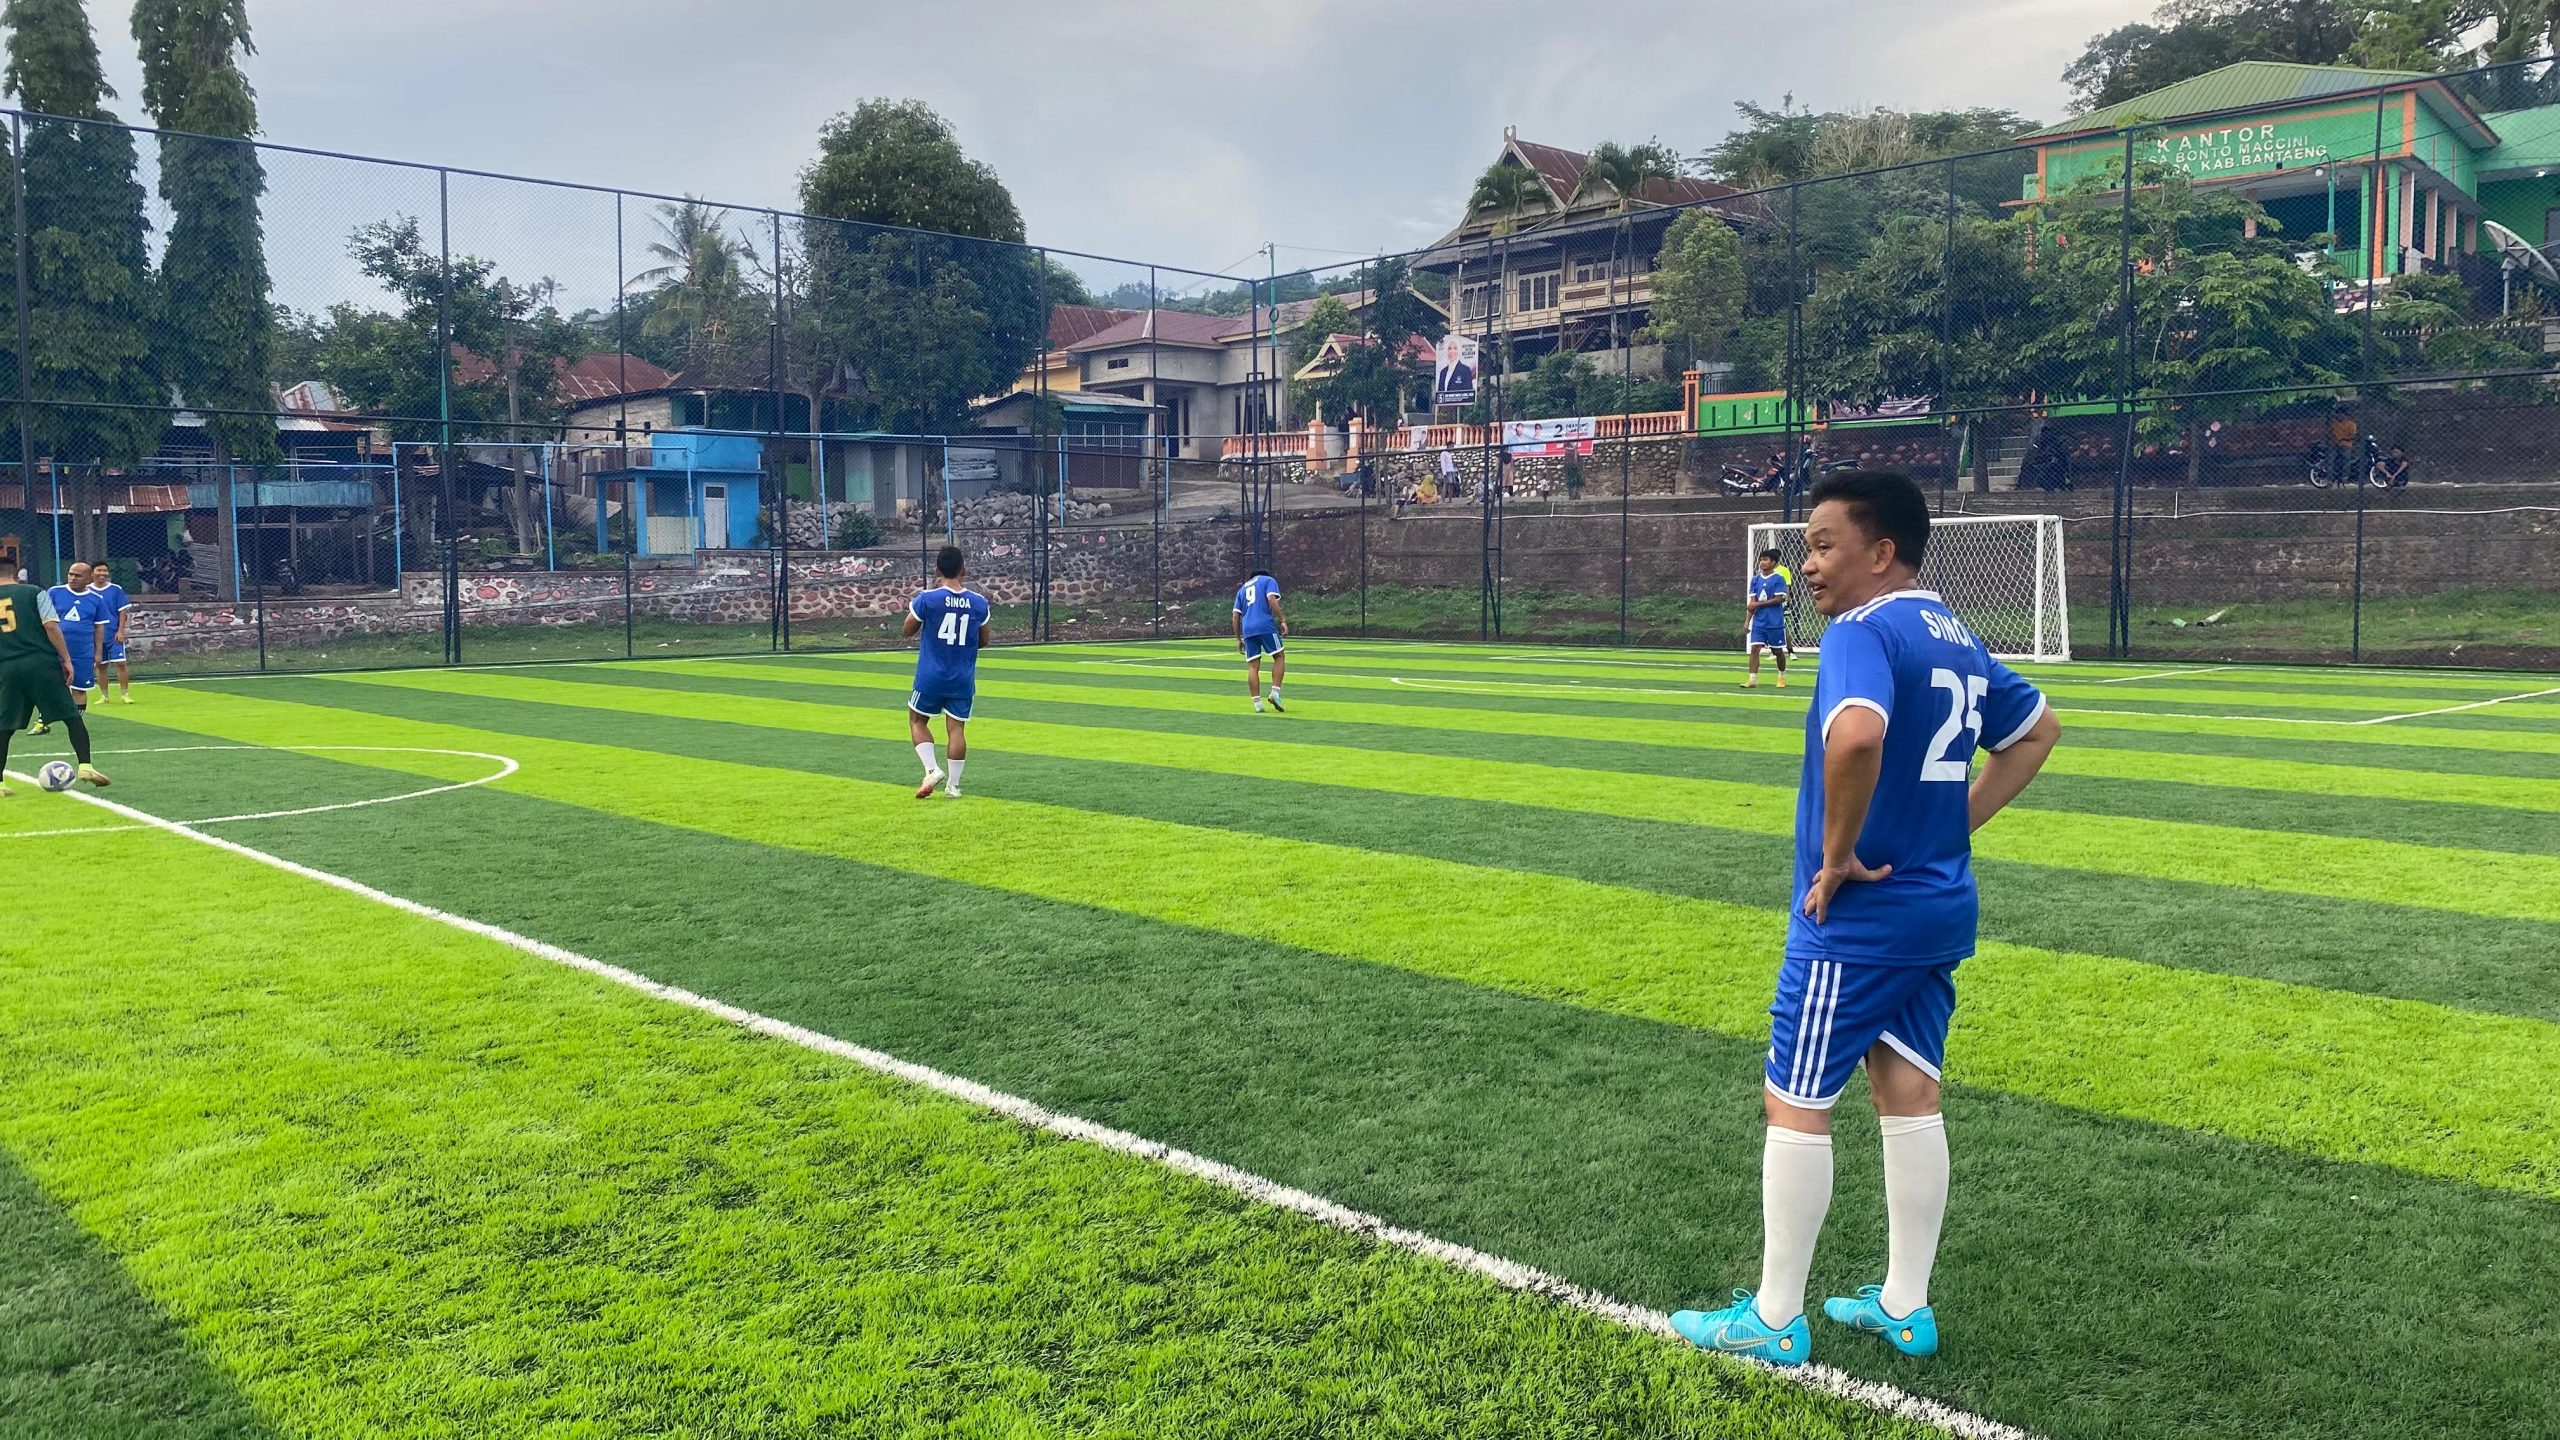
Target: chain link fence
2282 385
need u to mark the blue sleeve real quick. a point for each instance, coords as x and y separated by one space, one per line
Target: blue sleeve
915 610
2009 709
1855 673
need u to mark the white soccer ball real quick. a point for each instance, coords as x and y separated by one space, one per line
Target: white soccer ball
57 775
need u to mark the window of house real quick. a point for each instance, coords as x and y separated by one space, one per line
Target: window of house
1120 364
1538 292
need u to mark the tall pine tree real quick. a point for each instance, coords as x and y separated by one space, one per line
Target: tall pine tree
213 275
91 307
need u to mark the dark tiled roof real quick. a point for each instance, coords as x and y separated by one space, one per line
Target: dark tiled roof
587 378
1562 170
1071 323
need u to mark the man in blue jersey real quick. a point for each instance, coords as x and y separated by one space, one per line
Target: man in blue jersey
114 601
82 614
949 623
1259 628
1766 601
1884 909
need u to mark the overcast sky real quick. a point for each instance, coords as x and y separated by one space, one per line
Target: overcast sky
1185 132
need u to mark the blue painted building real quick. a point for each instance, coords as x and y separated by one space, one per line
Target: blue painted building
698 492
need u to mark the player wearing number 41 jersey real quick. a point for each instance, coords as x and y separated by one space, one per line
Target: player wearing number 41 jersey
1884 909
948 623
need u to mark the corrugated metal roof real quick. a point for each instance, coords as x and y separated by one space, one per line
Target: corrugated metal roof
2233 87
2527 140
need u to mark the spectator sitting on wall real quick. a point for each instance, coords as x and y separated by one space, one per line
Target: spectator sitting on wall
2393 469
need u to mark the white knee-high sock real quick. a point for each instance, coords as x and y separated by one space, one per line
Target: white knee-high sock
1915 1203
924 752
956 763
1795 1195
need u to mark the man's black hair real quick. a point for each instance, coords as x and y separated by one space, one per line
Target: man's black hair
1261 574
949 563
1885 503
1768 554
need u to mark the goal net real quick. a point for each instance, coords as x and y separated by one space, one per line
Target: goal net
2001 574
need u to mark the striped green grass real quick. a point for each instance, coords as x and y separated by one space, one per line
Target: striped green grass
2254 1049
391 1179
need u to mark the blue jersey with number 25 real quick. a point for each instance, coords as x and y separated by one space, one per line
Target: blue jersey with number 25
947 651
1906 657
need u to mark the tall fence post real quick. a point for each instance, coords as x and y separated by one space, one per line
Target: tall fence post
626 605
2120 543
1791 476
1626 431
447 524
775 357
1946 344
26 379
257 571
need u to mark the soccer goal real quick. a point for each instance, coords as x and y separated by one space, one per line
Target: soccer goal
2001 574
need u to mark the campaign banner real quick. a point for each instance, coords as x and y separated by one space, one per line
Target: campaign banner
1453 370
1526 439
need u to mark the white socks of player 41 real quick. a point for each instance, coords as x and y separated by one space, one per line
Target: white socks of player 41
1795 1195
924 752
956 763
1915 1203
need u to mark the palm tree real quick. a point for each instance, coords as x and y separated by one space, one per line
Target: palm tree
700 283
1504 188
1625 170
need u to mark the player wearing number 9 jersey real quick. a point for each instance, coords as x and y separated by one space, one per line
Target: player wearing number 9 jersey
1884 908
948 623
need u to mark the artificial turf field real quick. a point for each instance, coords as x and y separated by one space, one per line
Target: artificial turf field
2249 1091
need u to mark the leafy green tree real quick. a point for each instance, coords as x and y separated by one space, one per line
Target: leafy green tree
2188 38
509 344
2431 324
2225 324
1378 375
1698 286
924 322
1895 325
92 309
213 273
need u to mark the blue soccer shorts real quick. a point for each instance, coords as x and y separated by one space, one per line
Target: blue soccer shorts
1829 1013
951 702
1257 646
84 668
1769 632
115 650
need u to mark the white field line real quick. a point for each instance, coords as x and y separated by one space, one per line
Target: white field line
2451 709
2164 674
1510 1274
1499 688
506 767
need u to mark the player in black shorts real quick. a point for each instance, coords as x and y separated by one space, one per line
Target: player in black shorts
35 675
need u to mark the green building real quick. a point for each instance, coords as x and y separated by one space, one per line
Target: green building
2399 168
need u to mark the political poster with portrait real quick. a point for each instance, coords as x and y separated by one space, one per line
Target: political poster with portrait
1453 370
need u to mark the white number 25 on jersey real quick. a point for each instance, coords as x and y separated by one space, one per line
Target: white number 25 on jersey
1964 717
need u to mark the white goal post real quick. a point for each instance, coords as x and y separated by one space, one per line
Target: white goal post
2001 574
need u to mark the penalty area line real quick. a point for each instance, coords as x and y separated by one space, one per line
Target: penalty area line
1510 1274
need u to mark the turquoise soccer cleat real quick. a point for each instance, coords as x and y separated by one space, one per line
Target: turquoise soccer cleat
1912 1334
1738 1330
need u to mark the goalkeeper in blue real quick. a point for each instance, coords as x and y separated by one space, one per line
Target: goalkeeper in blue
1884 909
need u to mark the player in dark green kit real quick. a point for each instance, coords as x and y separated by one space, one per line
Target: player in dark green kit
35 675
